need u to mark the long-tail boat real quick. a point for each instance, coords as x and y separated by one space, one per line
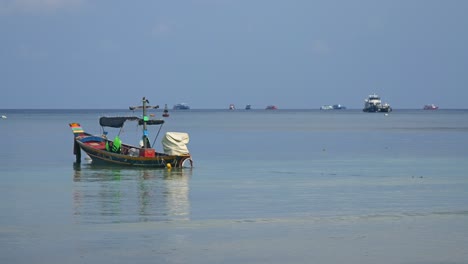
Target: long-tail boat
102 150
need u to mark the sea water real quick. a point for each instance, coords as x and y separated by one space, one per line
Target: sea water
267 186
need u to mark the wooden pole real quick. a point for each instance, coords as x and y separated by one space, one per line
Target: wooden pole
77 150
145 132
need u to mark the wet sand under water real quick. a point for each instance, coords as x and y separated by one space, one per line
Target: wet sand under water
283 187
435 238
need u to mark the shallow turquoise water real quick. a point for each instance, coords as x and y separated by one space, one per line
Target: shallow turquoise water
250 167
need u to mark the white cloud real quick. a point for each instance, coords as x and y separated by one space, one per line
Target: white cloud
36 6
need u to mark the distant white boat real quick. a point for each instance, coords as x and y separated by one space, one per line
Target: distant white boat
182 106
431 107
374 104
339 107
332 107
4 117
326 107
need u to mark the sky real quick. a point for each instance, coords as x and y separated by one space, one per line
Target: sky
295 54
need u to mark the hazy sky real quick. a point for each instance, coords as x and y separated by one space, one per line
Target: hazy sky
211 53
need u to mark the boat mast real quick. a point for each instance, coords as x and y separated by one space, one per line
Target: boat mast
145 118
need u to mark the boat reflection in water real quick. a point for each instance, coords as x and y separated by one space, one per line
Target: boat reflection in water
119 195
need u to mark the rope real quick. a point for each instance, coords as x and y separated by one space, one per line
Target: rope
157 135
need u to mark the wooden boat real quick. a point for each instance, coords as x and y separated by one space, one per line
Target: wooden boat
101 150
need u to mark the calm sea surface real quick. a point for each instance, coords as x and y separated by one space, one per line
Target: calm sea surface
258 177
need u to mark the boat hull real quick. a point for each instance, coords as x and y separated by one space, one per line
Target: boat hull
375 109
159 161
102 156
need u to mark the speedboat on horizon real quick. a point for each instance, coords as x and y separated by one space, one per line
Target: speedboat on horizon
181 106
333 107
431 107
373 104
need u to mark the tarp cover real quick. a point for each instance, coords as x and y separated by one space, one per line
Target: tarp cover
151 122
174 143
120 120
115 121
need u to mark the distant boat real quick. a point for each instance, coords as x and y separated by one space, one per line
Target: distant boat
373 104
232 107
165 112
248 107
181 106
271 107
4 117
332 107
339 107
431 107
